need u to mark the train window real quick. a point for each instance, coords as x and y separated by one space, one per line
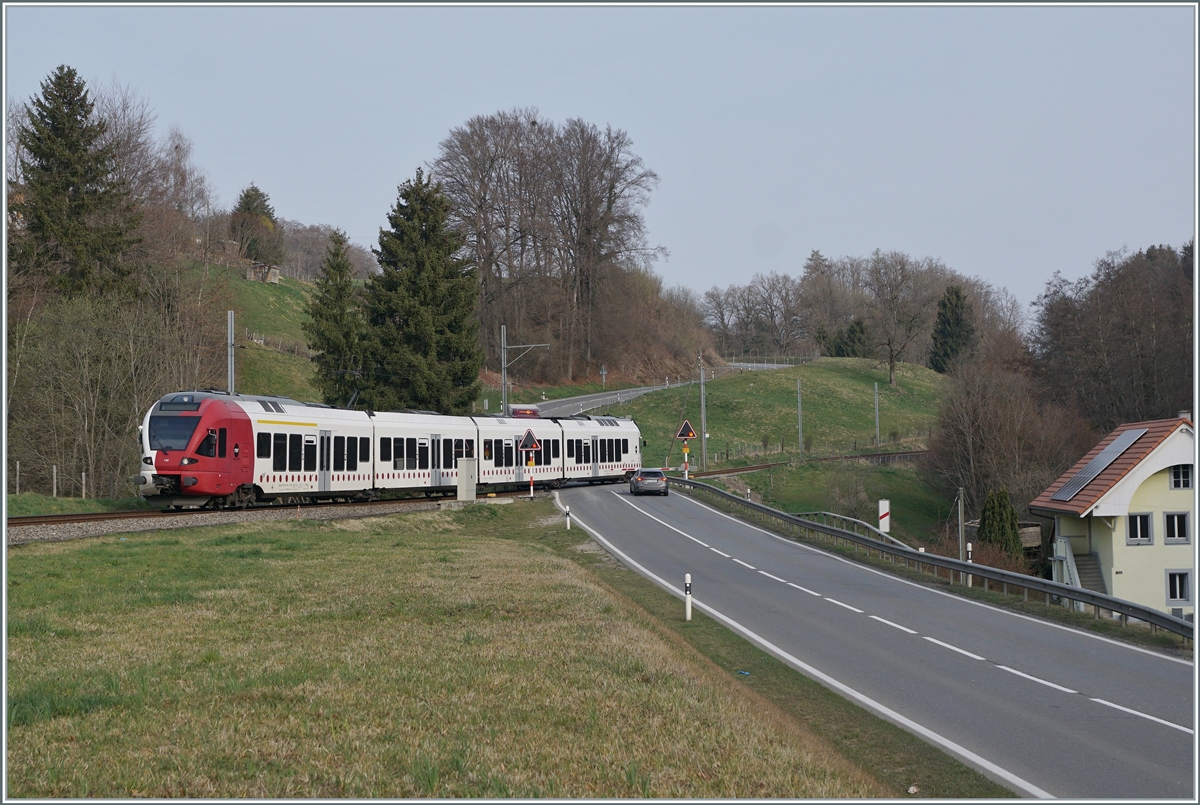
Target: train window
339 453
498 447
279 459
295 452
422 454
617 445
571 448
264 445
410 454
487 449
448 453
208 445
364 449
470 448
508 453
458 449
625 446
554 448
587 453
604 451
398 453
385 449
351 453
310 453
222 438
612 450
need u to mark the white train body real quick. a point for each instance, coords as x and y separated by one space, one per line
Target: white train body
213 448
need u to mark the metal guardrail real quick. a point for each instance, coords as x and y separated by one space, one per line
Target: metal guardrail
966 572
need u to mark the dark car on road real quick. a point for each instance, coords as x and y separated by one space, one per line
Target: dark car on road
648 481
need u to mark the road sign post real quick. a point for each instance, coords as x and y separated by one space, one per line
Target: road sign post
685 432
529 444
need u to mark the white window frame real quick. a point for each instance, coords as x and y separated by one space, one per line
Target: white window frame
1187 529
1187 575
1146 540
1184 481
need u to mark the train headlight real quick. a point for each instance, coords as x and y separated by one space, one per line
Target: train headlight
148 460
185 461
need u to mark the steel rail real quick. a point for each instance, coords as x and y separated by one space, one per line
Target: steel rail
966 571
87 517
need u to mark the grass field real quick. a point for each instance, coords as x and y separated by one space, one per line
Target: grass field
29 503
475 653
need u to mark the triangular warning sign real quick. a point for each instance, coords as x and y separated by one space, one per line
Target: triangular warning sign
529 442
686 431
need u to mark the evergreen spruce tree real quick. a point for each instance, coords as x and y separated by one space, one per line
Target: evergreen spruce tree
253 225
953 332
335 327
71 222
855 344
423 350
998 523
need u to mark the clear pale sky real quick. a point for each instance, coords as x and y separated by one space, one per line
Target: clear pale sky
1010 142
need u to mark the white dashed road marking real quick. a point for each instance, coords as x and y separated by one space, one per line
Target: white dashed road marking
954 648
893 625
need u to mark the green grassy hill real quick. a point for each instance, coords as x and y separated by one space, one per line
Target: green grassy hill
271 314
745 409
838 397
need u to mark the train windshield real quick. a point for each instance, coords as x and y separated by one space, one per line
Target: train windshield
172 432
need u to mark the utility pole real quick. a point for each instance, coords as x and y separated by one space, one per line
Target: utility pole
229 346
800 414
876 416
703 420
505 363
962 539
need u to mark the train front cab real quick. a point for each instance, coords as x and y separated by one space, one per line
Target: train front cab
198 448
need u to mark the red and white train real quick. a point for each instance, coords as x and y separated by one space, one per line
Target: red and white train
221 450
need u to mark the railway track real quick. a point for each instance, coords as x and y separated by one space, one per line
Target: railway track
93 517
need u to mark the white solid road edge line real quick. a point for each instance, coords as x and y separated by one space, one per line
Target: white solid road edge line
891 715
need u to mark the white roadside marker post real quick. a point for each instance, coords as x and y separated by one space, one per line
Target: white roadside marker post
568 518
969 562
687 596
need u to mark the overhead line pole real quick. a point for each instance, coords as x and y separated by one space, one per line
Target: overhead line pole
505 363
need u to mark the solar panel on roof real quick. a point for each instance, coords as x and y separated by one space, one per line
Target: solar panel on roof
1097 465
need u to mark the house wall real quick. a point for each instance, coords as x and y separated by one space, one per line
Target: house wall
1138 572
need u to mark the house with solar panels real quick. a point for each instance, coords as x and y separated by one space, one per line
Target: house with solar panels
1124 516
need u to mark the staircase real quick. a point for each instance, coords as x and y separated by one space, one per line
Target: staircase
1090 577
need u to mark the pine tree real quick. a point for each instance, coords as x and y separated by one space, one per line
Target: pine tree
953 332
998 523
335 327
71 223
423 348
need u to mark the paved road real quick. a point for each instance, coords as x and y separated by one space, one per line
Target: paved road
588 402
1044 710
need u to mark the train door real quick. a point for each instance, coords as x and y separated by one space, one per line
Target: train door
435 467
521 460
595 457
323 463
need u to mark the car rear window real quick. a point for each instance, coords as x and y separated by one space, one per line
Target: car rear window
652 473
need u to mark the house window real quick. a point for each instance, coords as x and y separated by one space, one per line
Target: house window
1138 530
1176 527
1179 586
1181 476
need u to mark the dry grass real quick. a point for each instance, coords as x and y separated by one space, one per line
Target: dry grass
424 655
